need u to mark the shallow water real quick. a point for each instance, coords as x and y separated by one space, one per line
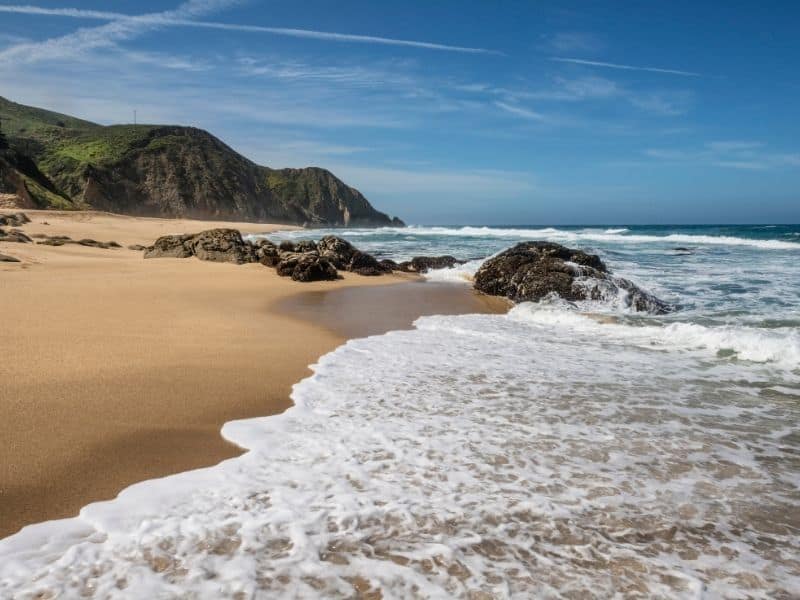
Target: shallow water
560 450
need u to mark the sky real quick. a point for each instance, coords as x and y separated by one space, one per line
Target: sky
506 112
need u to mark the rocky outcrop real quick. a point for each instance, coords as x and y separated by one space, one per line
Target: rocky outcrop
267 253
305 260
222 245
14 219
60 240
14 235
423 264
531 271
338 251
306 266
171 246
216 245
366 264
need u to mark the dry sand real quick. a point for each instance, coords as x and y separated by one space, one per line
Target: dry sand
117 369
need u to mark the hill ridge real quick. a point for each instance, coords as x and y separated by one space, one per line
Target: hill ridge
164 171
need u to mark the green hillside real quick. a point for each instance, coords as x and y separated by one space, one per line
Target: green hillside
166 171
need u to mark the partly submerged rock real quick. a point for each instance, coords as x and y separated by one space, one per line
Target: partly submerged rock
137 247
6 258
531 271
422 264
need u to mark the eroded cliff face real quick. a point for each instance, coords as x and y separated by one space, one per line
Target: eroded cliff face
184 172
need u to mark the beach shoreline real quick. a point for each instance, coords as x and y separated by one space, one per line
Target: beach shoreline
120 370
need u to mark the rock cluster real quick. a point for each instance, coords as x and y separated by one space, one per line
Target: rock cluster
14 235
531 271
305 260
60 240
14 220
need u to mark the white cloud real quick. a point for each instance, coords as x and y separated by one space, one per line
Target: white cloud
666 103
731 154
608 65
520 111
105 36
183 17
489 183
571 41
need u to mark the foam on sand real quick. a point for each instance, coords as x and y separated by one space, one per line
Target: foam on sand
504 455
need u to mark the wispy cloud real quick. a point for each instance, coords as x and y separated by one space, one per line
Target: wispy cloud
666 103
572 41
175 19
104 36
729 154
608 65
520 111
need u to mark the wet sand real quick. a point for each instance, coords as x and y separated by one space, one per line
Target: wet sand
117 369
360 312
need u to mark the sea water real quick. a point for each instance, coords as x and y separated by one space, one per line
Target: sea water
561 450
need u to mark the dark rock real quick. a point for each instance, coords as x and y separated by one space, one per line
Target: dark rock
366 264
267 253
286 246
53 242
14 219
137 247
95 244
531 271
288 261
171 246
389 265
6 258
422 264
305 246
222 245
306 266
338 251
14 235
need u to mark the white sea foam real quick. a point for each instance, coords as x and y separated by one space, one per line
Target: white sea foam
464 273
612 236
539 453
781 347
564 235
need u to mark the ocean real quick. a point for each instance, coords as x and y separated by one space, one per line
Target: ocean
560 450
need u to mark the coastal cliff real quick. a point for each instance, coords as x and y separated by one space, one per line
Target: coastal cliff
58 161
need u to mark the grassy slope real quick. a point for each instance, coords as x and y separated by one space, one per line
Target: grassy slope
65 147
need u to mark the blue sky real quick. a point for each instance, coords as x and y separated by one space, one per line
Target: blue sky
453 112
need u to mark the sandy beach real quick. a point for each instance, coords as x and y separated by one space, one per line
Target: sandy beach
118 369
